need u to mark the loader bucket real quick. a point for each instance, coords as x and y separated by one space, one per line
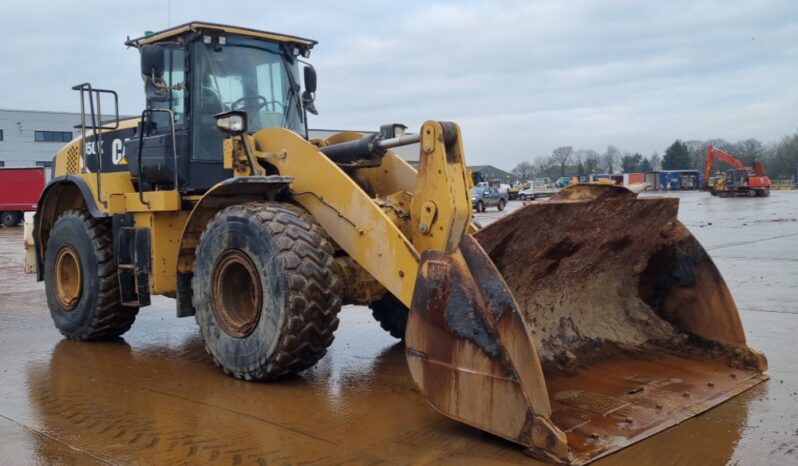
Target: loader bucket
578 326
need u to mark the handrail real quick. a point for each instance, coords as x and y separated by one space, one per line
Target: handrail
144 115
95 128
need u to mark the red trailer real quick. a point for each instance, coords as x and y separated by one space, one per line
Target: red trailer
20 189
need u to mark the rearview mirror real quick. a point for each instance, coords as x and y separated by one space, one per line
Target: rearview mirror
309 94
152 60
310 79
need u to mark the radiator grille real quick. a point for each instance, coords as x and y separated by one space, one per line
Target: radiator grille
73 160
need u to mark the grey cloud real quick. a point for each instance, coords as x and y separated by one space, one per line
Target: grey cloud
521 77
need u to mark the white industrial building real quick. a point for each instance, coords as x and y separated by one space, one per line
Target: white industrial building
32 138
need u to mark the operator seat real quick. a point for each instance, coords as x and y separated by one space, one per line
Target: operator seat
208 141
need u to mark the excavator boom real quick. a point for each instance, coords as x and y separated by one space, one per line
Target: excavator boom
749 181
715 153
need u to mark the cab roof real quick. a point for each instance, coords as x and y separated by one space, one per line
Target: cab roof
203 26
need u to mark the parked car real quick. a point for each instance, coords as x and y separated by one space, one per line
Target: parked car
562 182
483 197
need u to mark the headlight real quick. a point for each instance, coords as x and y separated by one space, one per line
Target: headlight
232 122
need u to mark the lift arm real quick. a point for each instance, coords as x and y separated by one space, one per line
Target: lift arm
440 212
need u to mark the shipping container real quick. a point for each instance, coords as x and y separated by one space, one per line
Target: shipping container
634 178
670 180
20 189
653 181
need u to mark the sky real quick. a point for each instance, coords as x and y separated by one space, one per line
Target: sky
520 77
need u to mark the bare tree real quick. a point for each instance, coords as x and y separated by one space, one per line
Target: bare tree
589 159
610 159
542 164
561 156
655 161
524 171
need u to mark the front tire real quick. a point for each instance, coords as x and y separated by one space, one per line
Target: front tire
80 279
501 204
266 292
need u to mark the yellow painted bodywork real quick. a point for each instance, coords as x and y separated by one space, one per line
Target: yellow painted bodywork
164 217
68 160
166 229
121 197
441 206
357 223
383 231
161 211
353 220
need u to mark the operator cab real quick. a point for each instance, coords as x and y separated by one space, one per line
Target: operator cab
196 71
738 176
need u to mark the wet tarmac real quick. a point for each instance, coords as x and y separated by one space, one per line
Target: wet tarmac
155 397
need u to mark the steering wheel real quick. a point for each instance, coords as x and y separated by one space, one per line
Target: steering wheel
254 102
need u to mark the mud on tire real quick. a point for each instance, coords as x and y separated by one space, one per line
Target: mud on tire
274 310
90 308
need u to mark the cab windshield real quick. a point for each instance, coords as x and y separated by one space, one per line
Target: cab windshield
245 74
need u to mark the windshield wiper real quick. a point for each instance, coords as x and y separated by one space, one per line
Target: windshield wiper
293 97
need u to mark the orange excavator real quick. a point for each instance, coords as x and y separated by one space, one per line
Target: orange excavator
737 181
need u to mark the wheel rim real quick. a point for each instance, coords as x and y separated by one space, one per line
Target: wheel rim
236 293
68 277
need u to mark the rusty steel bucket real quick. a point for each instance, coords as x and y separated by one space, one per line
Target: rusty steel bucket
578 326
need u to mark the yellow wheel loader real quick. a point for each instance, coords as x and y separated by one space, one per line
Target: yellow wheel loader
573 327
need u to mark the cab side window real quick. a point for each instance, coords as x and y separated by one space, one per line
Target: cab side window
174 74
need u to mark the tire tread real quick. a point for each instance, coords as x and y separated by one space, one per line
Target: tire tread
313 302
110 318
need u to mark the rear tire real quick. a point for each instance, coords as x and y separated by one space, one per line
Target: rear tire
480 207
9 219
501 204
391 314
265 290
80 279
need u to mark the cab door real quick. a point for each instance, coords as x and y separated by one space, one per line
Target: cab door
157 155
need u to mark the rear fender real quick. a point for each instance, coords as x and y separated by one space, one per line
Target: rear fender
229 192
61 193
